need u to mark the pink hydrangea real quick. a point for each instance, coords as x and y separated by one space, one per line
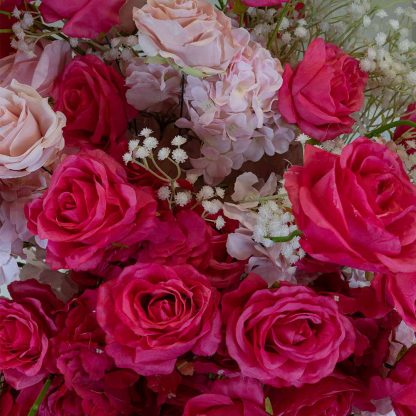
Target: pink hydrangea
235 113
152 87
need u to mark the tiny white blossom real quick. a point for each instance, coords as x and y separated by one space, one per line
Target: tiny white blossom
150 142
220 192
399 11
179 156
182 198
115 42
16 13
394 23
179 141
206 192
302 138
301 32
212 207
366 21
73 42
404 45
146 132
286 38
27 20
411 78
18 30
127 158
141 152
219 223
163 193
371 53
284 24
192 177
163 153
381 14
381 38
133 144
301 22
126 55
366 65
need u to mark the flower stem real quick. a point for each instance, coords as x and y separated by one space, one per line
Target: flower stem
9 15
278 23
389 126
34 409
286 238
6 31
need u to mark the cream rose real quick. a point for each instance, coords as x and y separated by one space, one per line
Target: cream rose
191 33
30 131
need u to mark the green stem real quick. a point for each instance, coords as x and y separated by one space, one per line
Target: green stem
6 31
34 409
286 238
389 126
278 23
9 15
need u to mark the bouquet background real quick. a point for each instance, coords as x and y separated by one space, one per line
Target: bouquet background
207 209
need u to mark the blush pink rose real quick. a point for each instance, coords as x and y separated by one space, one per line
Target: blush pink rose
356 209
323 91
233 397
88 210
30 131
158 314
83 18
26 324
333 395
38 70
191 33
91 94
287 336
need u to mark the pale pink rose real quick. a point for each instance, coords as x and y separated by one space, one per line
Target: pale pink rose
39 70
30 131
152 87
235 113
191 33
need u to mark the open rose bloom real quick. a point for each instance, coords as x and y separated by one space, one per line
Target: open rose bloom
207 208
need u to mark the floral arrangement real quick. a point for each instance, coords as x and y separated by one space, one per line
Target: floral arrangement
207 208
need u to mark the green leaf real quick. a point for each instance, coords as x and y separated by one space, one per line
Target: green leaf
239 7
268 406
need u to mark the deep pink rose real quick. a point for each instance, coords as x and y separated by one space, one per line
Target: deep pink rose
289 336
357 209
26 324
92 96
158 313
83 18
332 395
88 210
233 397
322 92
188 239
400 385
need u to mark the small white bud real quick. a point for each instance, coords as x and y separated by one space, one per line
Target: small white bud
219 223
150 143
133 144
127 158
163 153
179 156
146 132
179 141
141 152
182 198
163 193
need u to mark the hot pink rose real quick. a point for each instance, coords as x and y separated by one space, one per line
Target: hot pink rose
233 397
400 290
187 239
357 209
322 92
83 19
92 96
159 313
39 70
331 396
26 324
88 210
285 337
191 33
